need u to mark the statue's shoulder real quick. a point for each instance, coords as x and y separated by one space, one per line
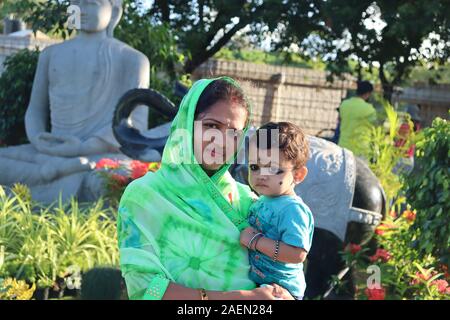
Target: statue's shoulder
129 55
58 48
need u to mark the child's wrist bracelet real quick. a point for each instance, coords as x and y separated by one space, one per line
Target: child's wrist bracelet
256 241
249 245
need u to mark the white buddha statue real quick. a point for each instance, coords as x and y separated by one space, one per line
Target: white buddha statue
76 88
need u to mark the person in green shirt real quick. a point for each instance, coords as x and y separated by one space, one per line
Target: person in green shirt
355 114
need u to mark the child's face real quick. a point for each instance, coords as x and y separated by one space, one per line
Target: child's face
274 177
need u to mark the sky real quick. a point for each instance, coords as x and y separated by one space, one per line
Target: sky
147 3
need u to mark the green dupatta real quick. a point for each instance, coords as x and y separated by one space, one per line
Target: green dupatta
178 223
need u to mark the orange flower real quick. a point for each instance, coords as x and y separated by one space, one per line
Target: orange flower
106 163
138 169
353 248
375 294
381 254
383 228
409 215
393 214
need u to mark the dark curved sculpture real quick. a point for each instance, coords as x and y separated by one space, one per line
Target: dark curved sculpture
133 143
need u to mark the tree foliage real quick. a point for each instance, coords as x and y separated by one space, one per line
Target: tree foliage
383 37
388 37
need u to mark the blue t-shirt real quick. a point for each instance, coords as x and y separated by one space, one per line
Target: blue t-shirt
288 219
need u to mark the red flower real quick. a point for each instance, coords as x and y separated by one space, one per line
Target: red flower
409 215
441 285
381 254
106 163
444 269
353 248
121 180
138 169
375 294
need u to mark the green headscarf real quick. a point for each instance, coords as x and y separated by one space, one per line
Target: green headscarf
178 223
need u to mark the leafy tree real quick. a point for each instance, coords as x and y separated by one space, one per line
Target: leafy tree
203 27
387 37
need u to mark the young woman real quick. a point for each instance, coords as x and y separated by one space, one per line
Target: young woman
179 228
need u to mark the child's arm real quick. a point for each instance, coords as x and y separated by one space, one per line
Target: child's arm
286 253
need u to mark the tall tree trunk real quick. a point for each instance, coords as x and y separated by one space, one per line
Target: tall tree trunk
388 87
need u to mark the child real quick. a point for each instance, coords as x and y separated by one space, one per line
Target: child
282 225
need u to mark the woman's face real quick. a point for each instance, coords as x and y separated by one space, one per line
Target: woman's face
217 133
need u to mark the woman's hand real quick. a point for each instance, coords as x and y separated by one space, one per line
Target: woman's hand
263 293
271 292
281 293
246 235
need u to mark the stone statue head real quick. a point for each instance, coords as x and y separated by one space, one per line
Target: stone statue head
99 15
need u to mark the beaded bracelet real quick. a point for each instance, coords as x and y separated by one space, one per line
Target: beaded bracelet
277 248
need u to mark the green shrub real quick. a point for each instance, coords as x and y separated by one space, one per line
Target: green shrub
382 152
428 191
15 90
42 245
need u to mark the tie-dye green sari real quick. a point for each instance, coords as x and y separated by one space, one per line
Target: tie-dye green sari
179 223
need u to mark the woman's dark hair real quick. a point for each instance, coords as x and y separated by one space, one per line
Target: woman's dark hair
220 90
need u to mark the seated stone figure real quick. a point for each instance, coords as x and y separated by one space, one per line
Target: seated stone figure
69 119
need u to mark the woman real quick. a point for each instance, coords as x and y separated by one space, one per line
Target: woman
179 227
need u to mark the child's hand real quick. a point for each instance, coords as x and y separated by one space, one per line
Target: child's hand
246 235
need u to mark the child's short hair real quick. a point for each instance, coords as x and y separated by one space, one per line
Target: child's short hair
292 141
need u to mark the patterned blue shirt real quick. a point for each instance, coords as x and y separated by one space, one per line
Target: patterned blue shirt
288 219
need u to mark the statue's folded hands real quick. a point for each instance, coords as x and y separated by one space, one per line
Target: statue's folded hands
58 145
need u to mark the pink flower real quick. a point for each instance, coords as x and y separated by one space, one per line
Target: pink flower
138 169
353 248
381 254
106 163
442 286
375 294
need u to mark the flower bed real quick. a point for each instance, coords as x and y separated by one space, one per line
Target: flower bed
409 258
